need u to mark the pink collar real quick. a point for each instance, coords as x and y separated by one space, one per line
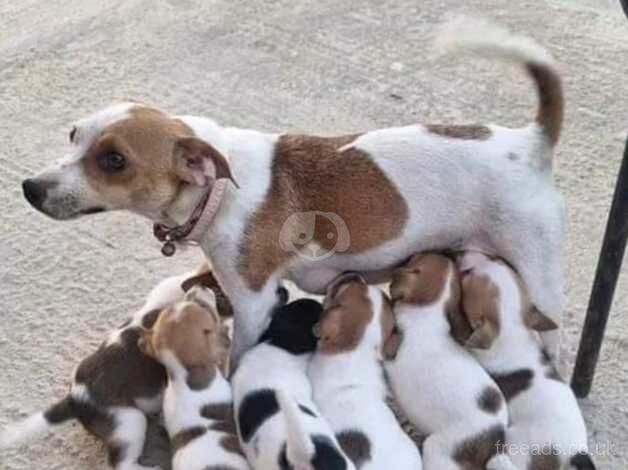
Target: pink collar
195 227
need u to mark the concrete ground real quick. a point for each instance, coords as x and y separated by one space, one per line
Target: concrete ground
328 66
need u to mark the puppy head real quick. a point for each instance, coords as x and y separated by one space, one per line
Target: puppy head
127 156
494 299
426 279
189 331
292 326
422 280
357 315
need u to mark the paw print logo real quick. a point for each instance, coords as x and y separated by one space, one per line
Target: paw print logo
314 235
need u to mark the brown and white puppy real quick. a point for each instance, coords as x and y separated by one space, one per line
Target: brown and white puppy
546 428
357 330
187 339
438 384
114 388
308 208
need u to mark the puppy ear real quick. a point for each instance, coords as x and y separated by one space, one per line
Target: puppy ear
197 162
392 344
538 321
482 337
341 282
145 343
479 306
329 329
203 296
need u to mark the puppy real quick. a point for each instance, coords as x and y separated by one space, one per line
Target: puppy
114 388
306 208
438 384
187 339
546 427
279 426
356 331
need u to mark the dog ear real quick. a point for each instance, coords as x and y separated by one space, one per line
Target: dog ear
197 162
145 343
538 321
341 282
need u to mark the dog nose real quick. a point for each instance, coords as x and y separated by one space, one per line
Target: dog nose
34 192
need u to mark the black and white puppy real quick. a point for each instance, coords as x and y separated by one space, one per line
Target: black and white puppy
278 424
115 388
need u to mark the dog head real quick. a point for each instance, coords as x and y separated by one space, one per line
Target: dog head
187 336
431 279
494 299
127 157
357 315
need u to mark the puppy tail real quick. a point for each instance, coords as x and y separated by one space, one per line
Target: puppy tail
37 424
299 446
581 461
489 40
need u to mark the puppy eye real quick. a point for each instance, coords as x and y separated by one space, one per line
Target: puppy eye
207 331
72 134
112 162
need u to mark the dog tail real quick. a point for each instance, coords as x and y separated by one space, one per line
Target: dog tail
299 446
487 39
37 424
581 461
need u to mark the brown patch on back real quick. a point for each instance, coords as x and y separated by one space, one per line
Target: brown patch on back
310 175
473 453
118 374
422 280
345 318
356 446
465 132
490 400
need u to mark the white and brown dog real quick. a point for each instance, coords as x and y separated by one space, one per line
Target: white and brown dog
546 426
309 208
187 338
356 331
114 388
438 384
279 425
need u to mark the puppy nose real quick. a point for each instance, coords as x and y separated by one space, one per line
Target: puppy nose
34 192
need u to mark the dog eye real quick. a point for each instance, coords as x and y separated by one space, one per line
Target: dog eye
207 331
72 134
112 162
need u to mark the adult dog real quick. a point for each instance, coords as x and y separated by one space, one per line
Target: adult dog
308 208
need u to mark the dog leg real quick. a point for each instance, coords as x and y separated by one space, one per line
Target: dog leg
126 443
252 312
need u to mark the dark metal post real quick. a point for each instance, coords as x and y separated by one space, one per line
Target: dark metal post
608 267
